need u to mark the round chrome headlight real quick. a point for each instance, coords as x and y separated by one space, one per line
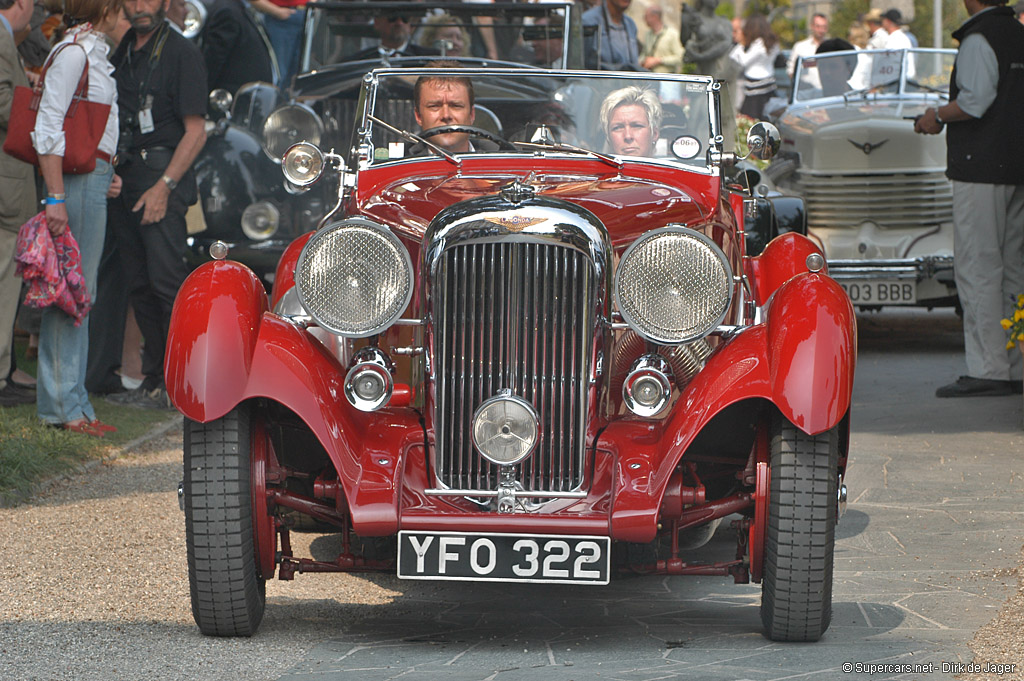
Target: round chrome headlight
220 100
288 125
354 277
303 163
505 429
673 285
195 18
260 220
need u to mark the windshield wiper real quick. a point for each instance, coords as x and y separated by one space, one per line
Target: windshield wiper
562 146
869 90
929 88
416 138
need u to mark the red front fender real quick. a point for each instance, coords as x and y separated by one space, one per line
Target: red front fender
802 360
812 351
212 337
783 258
225 348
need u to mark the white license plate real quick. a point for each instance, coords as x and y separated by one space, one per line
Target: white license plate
884 292
498 557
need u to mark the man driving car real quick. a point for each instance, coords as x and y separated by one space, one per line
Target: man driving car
447 100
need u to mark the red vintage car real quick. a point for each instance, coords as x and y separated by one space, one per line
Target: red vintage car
553 358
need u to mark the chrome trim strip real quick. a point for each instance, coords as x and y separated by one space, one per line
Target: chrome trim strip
520 494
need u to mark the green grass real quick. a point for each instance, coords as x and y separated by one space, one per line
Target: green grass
31 452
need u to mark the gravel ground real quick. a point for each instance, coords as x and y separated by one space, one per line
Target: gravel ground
95 586
1001 641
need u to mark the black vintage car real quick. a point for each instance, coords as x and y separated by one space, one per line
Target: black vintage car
244 200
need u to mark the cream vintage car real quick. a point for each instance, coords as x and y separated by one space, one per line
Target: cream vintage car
878 200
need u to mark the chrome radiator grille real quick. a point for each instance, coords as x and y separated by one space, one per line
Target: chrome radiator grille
894 200
516 315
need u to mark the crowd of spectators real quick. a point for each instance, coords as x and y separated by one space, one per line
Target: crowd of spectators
128 215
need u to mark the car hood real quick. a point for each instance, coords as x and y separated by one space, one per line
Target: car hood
627 206
861 136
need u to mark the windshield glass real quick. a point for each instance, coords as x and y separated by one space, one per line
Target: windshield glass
874 72
665 118
544 34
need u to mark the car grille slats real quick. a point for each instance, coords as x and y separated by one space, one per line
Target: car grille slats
518 316
893 200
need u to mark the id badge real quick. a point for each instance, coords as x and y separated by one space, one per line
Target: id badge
146 121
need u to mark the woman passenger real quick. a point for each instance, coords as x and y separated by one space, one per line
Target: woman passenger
631 118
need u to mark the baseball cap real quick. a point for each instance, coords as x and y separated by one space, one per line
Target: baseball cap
893 15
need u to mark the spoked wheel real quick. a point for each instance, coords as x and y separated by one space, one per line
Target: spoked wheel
796 595
227 528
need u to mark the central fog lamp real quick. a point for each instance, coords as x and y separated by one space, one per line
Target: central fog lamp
369 383
648 387
505 429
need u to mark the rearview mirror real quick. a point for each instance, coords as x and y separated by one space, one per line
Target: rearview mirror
764 141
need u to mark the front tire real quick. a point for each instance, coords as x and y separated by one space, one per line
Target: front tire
228 593
796 596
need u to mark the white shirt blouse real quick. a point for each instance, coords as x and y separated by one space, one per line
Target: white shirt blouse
756 62
898 40
61 82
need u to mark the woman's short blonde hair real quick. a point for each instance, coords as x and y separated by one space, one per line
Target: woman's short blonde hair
629 96
434 25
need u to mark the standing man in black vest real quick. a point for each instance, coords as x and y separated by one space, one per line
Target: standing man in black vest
985 161
161 94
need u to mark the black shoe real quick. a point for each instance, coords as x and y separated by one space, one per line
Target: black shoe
11 396
142 398
968 386
20 389
108 388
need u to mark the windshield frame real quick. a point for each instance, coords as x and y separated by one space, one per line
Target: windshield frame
572 31
362 148
901 90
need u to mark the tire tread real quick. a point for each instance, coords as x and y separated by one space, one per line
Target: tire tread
796 603
228 596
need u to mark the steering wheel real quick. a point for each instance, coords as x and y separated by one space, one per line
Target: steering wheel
502 143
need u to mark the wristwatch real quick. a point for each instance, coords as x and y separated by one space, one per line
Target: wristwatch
938 119
171 184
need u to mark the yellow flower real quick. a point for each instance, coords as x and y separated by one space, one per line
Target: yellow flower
1015 324
1009 345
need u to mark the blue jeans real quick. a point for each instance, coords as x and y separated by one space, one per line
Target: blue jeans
64 348
286 37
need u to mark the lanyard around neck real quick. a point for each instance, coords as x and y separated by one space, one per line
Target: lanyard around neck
154 59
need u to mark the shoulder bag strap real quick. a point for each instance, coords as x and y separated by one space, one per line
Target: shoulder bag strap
81 92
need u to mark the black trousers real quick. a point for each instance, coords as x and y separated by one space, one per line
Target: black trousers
142 265
107 318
